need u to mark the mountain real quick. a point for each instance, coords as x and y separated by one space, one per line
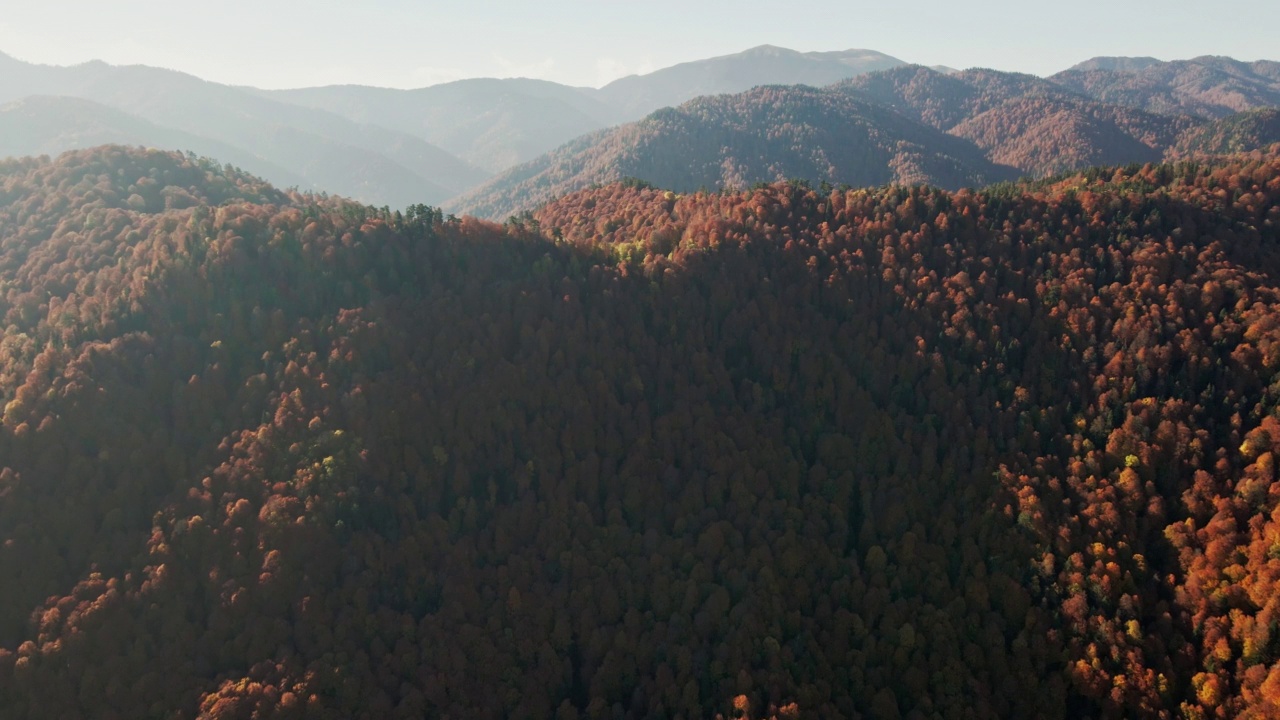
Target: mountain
775 453
1233 134
637 95
1118 64
39 125
1023 121
1043 136
1209 87
944 100
328 152
979 126
442 145
768 134
497 124
399 147
491 123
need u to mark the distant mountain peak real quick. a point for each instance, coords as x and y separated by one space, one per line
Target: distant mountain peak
1213 59
638 95
765 49
1118 63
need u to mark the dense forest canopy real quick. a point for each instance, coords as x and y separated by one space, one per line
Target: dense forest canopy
781 452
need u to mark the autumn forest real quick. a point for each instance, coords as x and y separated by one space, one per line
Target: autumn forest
854 453
768 450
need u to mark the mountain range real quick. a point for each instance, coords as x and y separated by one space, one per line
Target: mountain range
326 151
767 134
965 128
496 124
382 146
1209 86
501 146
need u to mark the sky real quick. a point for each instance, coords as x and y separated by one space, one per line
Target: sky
406 44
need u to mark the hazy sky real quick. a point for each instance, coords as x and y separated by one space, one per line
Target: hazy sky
407 43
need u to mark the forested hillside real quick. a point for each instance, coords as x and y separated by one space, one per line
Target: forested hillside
1232 134
1023 121
866 130
768 134
776 453
1209 87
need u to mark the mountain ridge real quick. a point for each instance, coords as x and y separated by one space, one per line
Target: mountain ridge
1207 86
639 95
437 144
1014 123
1117 62
481 126
277 134
474 119
50 118
767 134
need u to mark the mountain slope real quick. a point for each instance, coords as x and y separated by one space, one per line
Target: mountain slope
1210 87
1000 125
491 123
638 95
777 453
945 100
1043 136
1232 134
40 125
390 167
764 135
1023 121
497 124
